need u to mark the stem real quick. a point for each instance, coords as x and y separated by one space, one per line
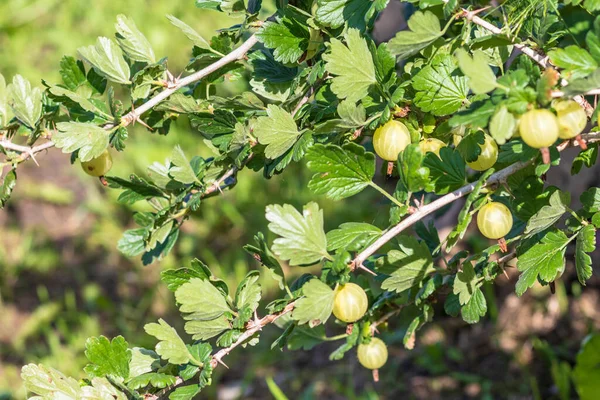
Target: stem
235 55
386 194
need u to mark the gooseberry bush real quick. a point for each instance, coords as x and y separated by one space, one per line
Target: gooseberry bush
469 102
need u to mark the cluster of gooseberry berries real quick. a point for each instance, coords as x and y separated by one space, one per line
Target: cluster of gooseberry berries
538 128
349 305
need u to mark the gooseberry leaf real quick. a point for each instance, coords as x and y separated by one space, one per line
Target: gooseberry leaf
412 173
248 292
25 102
352 236
303 239
475 308
107 357
424 29
263 254
407 266
549 214
133 42
189 32
278 131
447 172
49 383
574 60
154 379
476 116
586 158
355 13
481 77
439 90
543 257
201 300
316 305
590 199
287 37
8 184
466 283
170 346
502 125
352 66
142 361
340 171
91 140
585 243
207 329
107 59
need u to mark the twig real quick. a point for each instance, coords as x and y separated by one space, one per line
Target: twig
539 58
425 210
255 327
558 93
26 151
384 318
235 55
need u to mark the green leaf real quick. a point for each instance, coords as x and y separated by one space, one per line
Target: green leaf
49 383
204 330
424 29
465 216
263 255
170 346
502 125
25 102
72 72
187 392
586 158
189 32
352 66
288 38
592 5
447 172
481 77
201 299
107 357
181 170
576 61
544 258
5 117
107 59
316 305
352 236
136 189
133 42
439 90
406 267
548 215
142 361
278 131
336 13
228 6
8 184
133 242
91 140
590 199
83 102
340 171
154 379
248 292
582 85
475 308
413 175
303 239
476 116
586 243
586 373
466 283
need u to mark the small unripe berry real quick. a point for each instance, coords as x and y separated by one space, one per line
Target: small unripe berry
390 139
372 355
350 303
539 128
488 156
572 118
494 220
98 166
431 145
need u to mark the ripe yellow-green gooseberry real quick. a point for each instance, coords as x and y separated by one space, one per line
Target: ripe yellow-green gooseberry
390 139
572 118
98 166
350 303
494 220
431 145
372 355
539 128
488 156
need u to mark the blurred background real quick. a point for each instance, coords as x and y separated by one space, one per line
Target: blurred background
62 279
